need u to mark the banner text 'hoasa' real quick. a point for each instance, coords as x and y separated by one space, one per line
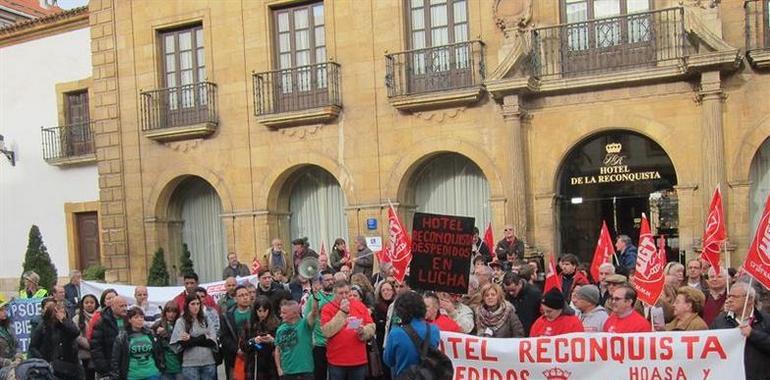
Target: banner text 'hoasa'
441 252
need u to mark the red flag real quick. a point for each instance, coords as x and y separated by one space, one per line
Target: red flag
489 241
714 234
322 251
757 262
255 265
551 278
398 250
603 252
649 278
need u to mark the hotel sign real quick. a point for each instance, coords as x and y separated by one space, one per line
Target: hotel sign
615 169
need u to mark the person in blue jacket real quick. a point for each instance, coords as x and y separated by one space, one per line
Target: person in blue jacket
400 352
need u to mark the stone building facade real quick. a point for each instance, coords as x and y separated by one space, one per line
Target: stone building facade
226 124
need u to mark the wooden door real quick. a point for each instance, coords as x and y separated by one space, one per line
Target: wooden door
88 239
77 134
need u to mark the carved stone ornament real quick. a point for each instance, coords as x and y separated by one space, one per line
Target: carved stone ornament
299 133
705 4
183 146
512 16
439 116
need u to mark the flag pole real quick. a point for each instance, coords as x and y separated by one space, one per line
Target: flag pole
727 265
746 302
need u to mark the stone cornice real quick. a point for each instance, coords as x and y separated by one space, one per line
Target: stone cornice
44 26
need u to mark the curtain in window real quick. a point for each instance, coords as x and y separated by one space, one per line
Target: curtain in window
317 207
760 184
200 209
452 184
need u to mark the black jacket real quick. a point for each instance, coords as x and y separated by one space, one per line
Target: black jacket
105 332
275 294
504 248
756 359
229 337
57 345
120 355
71 297
527 304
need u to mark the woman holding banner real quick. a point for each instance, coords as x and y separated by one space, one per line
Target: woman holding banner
496 317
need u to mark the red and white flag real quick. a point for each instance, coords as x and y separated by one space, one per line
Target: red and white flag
757 262
322 251
255 265
603 252
398 250
649 278
714 234
489 241
551 278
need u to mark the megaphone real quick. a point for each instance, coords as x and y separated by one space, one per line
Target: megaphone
308 267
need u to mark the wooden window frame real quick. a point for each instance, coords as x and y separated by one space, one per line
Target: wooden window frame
426 22
177 109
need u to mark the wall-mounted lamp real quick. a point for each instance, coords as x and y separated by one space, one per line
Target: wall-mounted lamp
7 152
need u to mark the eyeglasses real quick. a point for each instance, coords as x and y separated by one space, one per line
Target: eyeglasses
735 296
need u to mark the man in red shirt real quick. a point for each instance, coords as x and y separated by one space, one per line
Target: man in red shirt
624 318
433 314
190 285
716 295
347 325
554 321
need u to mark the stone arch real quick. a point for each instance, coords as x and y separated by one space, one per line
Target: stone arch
166 182
748 149
398 182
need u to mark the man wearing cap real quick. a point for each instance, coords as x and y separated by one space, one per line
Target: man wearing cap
624 318
525 297
613 282
32 286
592 315
554 321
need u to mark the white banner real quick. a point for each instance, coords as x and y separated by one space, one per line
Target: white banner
703 355
158 296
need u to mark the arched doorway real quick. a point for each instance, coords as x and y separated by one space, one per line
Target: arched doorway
316 206
759 176
195 215
450 183
615 176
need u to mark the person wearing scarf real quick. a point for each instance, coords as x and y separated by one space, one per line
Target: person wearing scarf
496 317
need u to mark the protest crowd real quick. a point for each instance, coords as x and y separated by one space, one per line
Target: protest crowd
348 323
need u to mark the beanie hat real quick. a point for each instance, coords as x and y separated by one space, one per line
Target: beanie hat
554 299
589 293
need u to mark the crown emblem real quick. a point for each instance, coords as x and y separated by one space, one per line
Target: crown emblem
613 147
556 374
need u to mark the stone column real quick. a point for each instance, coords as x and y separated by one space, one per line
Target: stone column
710 97
513 115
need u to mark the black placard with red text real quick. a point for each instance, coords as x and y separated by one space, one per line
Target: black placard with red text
441 252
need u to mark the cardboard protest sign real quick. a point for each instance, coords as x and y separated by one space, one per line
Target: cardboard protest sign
21 312
441 252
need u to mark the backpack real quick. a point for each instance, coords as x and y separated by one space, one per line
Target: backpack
434 364
34 369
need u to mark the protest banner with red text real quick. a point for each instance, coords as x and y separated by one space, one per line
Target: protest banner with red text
603 252
714 234
757 262
708 354
649 278
441 252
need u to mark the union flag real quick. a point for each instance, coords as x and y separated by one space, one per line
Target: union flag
715 233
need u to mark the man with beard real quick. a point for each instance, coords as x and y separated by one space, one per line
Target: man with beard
319 340
272 290
301 251
525 297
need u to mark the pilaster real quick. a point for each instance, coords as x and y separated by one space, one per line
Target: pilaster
711 97
514 116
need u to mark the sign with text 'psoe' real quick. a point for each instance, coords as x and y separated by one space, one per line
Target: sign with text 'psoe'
441 252
702 355
21 312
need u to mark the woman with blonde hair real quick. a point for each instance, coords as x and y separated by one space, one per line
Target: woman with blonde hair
687 307
496 317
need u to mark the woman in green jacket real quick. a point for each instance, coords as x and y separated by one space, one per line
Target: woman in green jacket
163 329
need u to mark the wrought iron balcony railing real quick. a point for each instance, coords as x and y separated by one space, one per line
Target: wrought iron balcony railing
440 68
179 106
757 24
610 44
297 89
68 141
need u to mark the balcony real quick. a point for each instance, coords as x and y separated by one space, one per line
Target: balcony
758 32
298 95
177 113
602 48
69 144
440 76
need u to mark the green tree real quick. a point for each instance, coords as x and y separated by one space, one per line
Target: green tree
186 264
37 259
158 275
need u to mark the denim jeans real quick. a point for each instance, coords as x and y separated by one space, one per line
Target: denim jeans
156 377
172 376
347 373
204 372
